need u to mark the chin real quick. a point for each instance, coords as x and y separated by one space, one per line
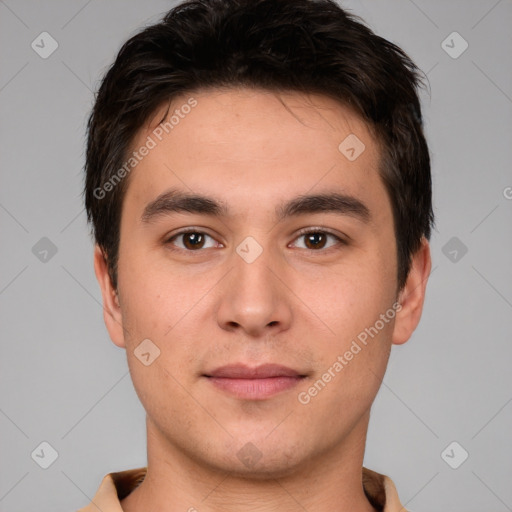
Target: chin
261 458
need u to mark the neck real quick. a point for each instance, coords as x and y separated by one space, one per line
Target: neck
179 481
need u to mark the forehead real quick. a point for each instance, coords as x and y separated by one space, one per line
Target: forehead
255 144
264 116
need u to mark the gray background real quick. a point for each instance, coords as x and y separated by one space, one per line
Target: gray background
64 382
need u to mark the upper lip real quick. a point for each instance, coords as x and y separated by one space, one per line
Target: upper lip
241 371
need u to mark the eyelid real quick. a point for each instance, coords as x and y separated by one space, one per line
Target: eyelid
319 229
341 239
184 231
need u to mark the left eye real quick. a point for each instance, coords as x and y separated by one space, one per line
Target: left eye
315 240
195 240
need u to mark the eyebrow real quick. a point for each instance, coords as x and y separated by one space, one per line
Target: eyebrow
177 201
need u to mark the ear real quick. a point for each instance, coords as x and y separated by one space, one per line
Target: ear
111 309
412 295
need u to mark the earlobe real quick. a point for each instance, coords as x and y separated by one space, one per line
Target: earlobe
112 314
412 295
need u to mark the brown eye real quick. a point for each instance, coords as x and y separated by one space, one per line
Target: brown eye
190 241
193 240
316 239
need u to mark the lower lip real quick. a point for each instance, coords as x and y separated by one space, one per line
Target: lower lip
255 389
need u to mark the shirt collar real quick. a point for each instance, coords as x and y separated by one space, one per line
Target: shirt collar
379 489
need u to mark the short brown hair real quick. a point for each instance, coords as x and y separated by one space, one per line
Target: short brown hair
311 46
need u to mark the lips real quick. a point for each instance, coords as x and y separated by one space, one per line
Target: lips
259 383
240 371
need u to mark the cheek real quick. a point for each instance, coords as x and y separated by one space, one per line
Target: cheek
350 297
162 306
155 296
348 303
162 391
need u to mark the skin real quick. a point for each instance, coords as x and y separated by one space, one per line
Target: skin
294 305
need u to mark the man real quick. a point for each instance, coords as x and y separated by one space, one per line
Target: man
259 187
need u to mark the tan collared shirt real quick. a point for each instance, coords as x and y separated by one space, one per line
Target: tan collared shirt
379 489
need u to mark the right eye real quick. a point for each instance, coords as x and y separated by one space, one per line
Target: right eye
191 240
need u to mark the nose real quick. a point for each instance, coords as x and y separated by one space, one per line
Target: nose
254 297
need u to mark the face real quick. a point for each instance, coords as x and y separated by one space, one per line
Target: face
289 258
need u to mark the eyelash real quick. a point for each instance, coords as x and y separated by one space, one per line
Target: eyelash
302 232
